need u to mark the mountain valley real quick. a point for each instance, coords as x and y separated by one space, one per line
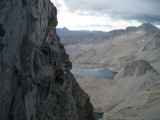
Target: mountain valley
135 54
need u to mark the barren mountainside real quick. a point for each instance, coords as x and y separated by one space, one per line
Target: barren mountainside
35 78
134 94
118 47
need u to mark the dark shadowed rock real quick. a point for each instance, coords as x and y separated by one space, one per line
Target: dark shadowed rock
35 78
2 31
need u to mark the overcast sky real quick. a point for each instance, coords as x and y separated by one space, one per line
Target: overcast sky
106 15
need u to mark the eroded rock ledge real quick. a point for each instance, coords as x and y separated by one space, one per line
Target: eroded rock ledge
35 78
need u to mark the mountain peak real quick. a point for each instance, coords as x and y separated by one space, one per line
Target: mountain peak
149 27
147 23
65 28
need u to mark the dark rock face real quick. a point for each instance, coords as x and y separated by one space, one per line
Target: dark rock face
35 78
2 31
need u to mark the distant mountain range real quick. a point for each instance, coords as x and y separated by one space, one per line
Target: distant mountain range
63 32
69 37
132 41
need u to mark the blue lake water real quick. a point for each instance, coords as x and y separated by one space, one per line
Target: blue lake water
98 115
96 72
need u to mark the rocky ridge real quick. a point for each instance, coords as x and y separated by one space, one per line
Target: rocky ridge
96 37
35 78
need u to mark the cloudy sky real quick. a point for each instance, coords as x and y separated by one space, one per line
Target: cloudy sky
106 15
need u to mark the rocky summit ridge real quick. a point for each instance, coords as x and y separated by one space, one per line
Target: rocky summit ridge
97 37
35 78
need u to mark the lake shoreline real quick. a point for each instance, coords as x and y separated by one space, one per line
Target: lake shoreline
94 72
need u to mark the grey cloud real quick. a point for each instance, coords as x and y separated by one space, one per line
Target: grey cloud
140 10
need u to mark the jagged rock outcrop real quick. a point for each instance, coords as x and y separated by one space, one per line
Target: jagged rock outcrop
35 78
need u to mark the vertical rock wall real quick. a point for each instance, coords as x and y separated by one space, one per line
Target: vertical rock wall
35 78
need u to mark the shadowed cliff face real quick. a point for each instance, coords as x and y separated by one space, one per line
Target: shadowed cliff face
35 78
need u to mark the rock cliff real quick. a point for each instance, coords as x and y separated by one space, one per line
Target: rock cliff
35 78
